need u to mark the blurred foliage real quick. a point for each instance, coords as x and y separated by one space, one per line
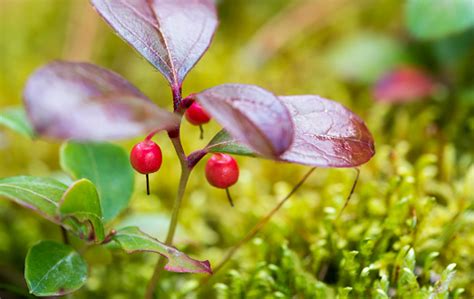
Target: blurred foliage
408 222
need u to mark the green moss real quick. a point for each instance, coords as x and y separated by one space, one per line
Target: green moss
408 223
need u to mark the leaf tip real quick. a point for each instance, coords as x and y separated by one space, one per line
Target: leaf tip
208 269
201 267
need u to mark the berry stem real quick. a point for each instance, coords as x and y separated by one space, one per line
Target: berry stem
201 132
229 197
151 135
147 184
185 172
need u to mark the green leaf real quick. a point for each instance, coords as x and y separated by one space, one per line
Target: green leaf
80 205
131 239
54 269
410 261
107 166
380 294
77 208
366 57
454 51
224 143
433 19
344 293
39 194
407 283
15 118
442 285
381 287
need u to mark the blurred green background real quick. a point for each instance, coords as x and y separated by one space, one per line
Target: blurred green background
416 193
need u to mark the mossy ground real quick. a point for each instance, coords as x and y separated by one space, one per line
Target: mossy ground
409 221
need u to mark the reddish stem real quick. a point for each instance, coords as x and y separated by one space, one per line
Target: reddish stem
177 91
151 135
195 157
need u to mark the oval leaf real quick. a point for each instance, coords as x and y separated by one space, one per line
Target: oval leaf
131 239
438 18
252 115
107 166
39 194
171 34
80 209
326 134
403 84
54 269
15 118
81 101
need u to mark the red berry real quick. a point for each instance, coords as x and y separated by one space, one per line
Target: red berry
222 171
196 115
146 157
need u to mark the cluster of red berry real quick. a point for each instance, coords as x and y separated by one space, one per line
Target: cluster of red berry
222 171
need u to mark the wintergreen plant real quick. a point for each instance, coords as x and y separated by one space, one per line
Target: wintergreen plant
85 103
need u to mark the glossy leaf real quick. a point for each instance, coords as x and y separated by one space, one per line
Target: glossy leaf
81 205
404 84
326 134
431 19
131 239
39 194
224 143
81 101
107 166
171 34
54 269
15 118
76 207
252 115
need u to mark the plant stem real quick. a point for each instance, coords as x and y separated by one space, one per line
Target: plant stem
64 235
256 229
177 204
354 185
185 172
229 197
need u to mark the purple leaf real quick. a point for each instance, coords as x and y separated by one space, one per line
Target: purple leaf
85 102
326 134
171 34
132 239
252 115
